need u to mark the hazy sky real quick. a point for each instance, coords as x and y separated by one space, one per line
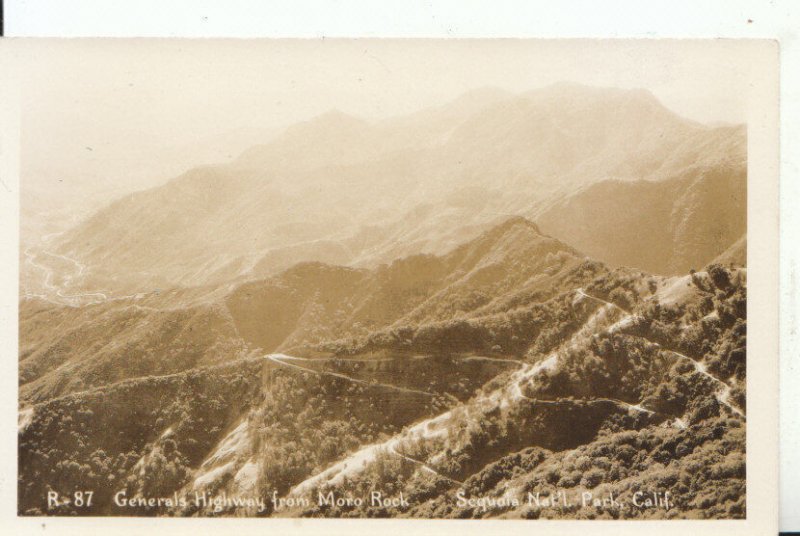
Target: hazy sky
137 96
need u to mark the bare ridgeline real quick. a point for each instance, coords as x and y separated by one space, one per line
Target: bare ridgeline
511 306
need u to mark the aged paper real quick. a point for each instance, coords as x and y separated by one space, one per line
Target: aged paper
516 282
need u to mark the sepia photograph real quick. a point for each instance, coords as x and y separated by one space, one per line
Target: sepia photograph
364 278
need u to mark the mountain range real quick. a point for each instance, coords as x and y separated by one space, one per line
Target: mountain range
296 310
343 190
505 296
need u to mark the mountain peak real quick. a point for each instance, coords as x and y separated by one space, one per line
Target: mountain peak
517 221
516 232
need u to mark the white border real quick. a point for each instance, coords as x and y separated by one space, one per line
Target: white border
399 18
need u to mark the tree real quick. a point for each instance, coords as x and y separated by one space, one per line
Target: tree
719 276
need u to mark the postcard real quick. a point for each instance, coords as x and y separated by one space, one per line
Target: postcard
492 283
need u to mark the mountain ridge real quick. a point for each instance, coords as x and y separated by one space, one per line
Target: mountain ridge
309 189
310 300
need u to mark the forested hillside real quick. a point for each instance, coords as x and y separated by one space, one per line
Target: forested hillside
511 364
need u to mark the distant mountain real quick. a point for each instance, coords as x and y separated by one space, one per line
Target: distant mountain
667 226
76 181
344 190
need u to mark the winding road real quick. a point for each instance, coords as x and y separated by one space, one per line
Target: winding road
93 297
425 467
621 403
356 463
282 358
722 394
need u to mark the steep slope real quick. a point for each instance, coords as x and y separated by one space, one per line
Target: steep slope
606 409
105 438
69 349
667 226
